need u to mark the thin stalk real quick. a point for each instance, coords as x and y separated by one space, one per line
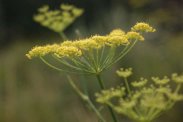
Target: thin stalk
92 55
171 102
126 51
68 64
85 98
108 58
96 54
85 62
102 88
123 53
80 63
89 57
56 68
156 114
63 36
102 54
127 86
50 65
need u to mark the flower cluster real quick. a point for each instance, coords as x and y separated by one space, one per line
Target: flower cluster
57 20
143 27
78 47
124 72
95 53
147 100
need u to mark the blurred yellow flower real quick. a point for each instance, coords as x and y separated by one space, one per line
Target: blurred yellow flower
142 27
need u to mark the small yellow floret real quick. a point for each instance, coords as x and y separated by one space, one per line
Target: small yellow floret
155 101
39 18
41 50
175 96
67 43
44 8
127 104
140 83
100 40
134 36
67 51
177 78
124 72
86 44
117 32
106 95
77 12
162 81
143 27
66 7
117 40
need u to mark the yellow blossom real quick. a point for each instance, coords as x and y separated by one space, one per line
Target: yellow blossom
67 51
162 81
57 20
124 72
140 83
66 7
175 96
67 43
117 32
127 104
41 50
106 95
177 78
45 8
143 27
86 44
134 36
39 18
77 12
151 100
117 40
100 40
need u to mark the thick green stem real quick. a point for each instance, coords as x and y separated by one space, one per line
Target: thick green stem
102 88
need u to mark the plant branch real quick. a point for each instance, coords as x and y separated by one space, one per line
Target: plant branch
102 88
85 98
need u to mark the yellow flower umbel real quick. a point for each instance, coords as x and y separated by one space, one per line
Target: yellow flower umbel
142 27
142 101
124 72
57 20
90 55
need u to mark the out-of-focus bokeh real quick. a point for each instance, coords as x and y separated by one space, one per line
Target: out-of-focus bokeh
32 92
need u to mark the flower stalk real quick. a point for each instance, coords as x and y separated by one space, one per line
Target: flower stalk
102 87
85 98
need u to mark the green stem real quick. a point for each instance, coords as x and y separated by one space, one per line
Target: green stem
127 86
85 98
171 102
64 37
102 88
